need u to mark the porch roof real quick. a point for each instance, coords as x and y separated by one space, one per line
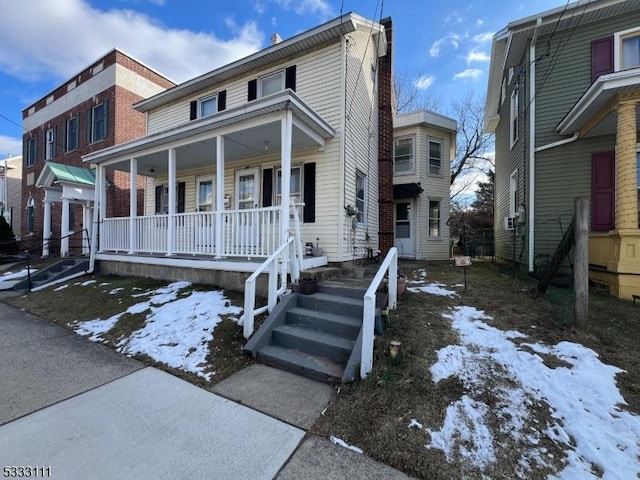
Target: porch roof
309 129
58 172
594 113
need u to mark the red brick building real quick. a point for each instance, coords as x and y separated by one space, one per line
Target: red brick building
90 111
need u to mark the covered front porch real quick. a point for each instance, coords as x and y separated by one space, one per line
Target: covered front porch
611 106
221 192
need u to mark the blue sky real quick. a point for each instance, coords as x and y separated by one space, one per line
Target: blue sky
442 46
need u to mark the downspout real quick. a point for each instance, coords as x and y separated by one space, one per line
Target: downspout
532 143
564 141
94 231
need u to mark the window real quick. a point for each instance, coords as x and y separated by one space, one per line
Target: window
98 116
361 197
72 217
31 151
435 158
71 139
435 218
31 205
513 194
162 198
627 45
515 106
50 144
271 84
295 186
403 155
208 106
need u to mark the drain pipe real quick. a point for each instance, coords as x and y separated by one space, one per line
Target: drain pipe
96 211
532 143
564 141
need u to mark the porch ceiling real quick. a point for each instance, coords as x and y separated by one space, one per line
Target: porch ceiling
594 113
252 130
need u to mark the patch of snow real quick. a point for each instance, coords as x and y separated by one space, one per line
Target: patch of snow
344 444
583 398
115 290
434 289
415 424
87 283
62 287
16 275
104 284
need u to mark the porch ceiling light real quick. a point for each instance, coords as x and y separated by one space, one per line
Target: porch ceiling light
266 145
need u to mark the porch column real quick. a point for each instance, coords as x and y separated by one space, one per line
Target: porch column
46 230
219 196
285 164
171 227
86 232
64 229
626 182
133 202
101 207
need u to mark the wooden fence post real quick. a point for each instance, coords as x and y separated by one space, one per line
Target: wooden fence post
581 265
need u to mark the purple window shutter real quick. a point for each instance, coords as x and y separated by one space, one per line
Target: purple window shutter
601 57
603 191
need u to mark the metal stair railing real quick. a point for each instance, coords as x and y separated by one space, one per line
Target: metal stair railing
567 242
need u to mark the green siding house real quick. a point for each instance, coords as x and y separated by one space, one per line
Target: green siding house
562 100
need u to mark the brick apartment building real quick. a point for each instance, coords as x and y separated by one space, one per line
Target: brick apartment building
90 111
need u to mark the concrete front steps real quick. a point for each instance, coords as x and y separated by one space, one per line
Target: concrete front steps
316 335
54 273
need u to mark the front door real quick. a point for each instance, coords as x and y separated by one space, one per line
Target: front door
247 194
404 228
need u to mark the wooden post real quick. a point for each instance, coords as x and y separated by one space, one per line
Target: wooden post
581 265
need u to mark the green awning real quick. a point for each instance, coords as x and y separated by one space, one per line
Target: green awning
71 174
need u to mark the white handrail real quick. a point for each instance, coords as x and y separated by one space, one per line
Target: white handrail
389 263
277 264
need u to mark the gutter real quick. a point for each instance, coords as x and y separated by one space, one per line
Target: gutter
564 141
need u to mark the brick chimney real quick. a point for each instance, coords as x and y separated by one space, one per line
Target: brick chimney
385 144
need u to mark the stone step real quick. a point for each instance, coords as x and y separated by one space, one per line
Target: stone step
340 325
342 291
326 303
314 342
312 366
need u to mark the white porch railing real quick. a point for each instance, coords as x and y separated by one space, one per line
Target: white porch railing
389 264
246 233
277 265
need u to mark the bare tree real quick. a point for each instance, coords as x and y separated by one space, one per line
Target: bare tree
473 145
408 97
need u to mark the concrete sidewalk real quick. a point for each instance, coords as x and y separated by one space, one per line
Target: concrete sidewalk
88 412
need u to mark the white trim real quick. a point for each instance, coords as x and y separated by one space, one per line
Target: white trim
514 114
618 37
201 101
255 171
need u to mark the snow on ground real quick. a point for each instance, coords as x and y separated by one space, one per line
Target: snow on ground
177 330
583 398
15 275
344 444
434 289
61 287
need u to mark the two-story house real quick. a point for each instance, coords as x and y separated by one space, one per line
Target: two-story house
563 95
288 142
11 192
423 147
90 111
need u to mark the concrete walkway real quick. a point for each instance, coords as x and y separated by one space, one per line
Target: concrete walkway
88 412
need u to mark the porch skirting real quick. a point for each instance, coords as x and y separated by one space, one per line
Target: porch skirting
228 274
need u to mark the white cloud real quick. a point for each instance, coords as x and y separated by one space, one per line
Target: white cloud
479 22
62 37
483 37
477 57
10 146
452 39
303 7
472 73
424 82
455 17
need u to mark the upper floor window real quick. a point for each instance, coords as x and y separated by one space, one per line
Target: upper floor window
98 118
435 157
207 106
403 155
50 144
361 197
271 84
514 114
31 151
629 49
71 138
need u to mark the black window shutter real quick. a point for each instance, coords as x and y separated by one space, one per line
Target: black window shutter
105 117
193 113
601 57
309 193
267 187
290 78
65 144
252 90
159 189
222 100
181 191
88 126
